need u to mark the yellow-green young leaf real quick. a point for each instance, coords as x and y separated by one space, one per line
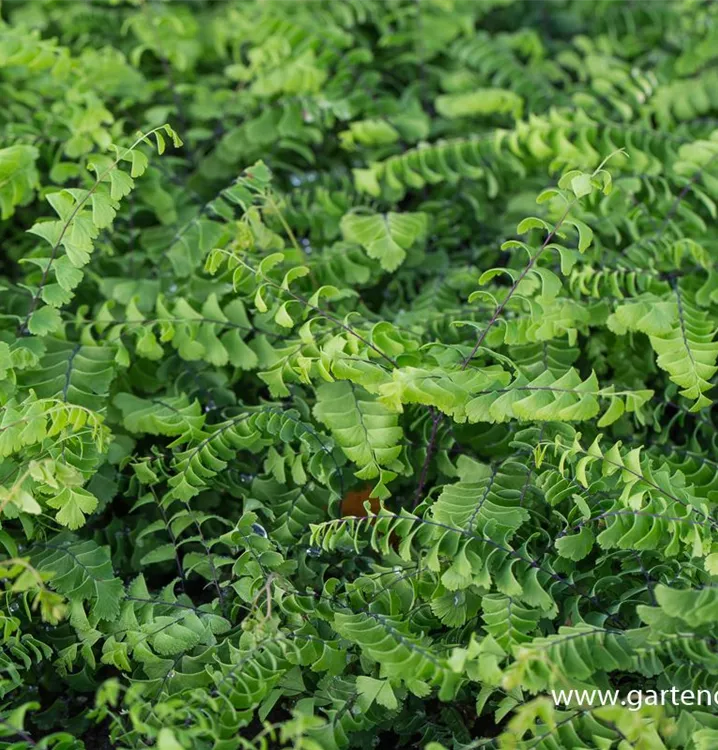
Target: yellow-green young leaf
385 237
72 505
144 472
689 353
121 184
283 318
576 546
55 295
373 132
18 177
367 182
160 142
68 277
147 345
166 740
21 499
268 263
139 163
711 563
259 302
116 654
581 185
533 222
294 273
480 102
122 356
375 691
104 208
585 233
176 140
50 231
649 314
44 320
614 412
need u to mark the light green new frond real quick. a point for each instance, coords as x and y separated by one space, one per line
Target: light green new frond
563 399
654 509
547 321
698 606
370 132
215 334
34 420
168 415
686 99
541 725
479 103
448 390
82 215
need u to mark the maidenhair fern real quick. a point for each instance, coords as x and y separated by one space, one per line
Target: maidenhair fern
357 363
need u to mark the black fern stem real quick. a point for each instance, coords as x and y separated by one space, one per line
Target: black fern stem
436 419
173 541
500 307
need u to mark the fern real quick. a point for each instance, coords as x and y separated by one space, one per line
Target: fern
18 177
357 364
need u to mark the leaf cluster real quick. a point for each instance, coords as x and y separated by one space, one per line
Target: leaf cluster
357 367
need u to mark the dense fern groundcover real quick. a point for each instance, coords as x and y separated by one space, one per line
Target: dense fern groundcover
357 374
